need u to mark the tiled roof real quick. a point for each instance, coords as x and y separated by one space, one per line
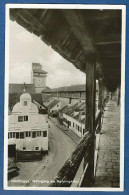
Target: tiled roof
83 120
67 88
73 88
53 104
70 109
45 97
13 99
63 109
38 98
75 111
18 88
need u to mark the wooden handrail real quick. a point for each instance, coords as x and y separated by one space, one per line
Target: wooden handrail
67 173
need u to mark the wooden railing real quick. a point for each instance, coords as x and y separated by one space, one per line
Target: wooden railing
66 175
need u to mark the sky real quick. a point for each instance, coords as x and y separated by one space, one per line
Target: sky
25 48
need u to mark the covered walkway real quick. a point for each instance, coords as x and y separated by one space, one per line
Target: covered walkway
108 167
82 38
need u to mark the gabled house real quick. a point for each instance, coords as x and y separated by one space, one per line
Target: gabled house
28 130
73 117
54 107
35 98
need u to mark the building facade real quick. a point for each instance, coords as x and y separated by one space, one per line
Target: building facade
54 107
28 130
38 77
73 117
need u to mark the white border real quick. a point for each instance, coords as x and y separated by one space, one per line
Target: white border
64 6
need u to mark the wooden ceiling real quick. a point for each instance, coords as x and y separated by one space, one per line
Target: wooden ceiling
80 36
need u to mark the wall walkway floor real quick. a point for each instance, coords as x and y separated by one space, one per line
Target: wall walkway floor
108 160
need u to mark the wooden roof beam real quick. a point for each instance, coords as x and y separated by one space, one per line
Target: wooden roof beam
26 16
82 34
79 30
109 43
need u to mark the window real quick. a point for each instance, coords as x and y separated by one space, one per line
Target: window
17 135
24 148
36 148
21 135
33 134
13 135
28 134
25 103
38 133
44 133
25 118
20 118
10 135
73 124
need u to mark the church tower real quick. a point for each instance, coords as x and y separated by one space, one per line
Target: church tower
38 77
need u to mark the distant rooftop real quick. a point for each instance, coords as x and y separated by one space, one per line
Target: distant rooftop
78 108
19 88
72 88
53 104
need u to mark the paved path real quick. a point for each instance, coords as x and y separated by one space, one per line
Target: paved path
107 172
66 130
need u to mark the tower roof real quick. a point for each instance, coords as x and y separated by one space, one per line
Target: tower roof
39 71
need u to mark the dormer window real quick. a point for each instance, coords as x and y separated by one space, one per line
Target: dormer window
25 103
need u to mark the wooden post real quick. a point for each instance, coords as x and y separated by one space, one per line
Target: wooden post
100 102
90 96
90 119
100 94
118 99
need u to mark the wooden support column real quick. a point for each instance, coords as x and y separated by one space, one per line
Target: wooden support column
90 119
100 103
118 98
90 96
100 94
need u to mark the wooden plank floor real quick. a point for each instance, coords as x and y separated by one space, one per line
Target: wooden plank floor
108 163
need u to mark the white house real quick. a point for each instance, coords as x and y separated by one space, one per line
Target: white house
74 118
54 107
28 130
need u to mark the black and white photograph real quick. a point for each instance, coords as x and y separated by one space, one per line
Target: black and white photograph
64 97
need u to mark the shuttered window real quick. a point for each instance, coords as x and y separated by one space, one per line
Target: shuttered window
44 133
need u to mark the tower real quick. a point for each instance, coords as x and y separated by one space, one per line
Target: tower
38 77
